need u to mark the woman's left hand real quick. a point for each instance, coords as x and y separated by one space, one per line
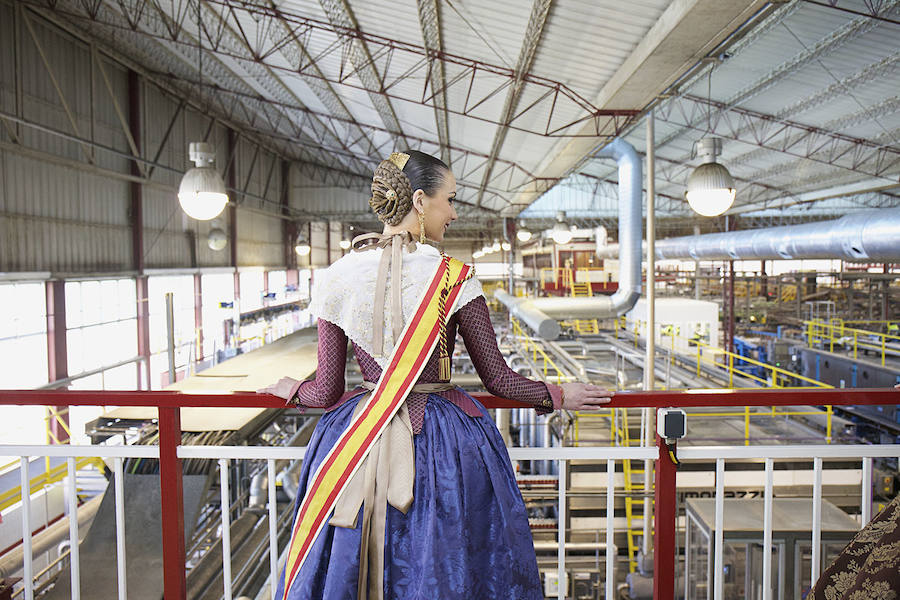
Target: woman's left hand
283 388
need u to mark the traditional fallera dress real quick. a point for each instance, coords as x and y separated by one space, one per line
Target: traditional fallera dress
435 512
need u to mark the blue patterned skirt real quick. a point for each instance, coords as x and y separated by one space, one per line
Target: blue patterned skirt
466 535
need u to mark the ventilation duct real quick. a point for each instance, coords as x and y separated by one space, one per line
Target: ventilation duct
872 236
541 311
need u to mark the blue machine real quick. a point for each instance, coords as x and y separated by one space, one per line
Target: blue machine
748 350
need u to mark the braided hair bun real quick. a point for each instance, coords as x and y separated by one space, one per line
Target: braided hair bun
391 193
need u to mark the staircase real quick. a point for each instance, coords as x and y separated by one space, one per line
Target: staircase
583 326
634 485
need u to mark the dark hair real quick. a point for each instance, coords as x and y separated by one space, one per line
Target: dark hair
425 172
392 189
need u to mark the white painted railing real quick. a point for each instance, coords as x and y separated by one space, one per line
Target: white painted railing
562 455
817 453
118 454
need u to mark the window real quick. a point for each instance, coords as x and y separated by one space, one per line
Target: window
101 322
182 289
217 289
277 285
23 346
251 290
23 336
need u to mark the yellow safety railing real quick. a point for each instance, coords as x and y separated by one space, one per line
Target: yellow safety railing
531 346
778 378
48 477
565 276
729 362
837 332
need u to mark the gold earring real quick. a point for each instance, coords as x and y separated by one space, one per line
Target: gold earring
422 227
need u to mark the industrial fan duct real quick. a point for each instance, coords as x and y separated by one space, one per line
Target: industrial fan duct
542 314
871 236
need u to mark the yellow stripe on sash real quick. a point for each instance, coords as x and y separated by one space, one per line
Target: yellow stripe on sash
417 343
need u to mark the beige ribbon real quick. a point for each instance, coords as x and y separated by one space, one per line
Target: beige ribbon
386 476
392 260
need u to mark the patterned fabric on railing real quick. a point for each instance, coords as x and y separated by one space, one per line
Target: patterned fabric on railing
869 567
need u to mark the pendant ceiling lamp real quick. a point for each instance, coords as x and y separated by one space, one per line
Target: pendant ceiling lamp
301 246
202 192
523 234
216 240
561 232
710 188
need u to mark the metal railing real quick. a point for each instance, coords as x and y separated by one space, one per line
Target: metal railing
531 346
170 453
836 332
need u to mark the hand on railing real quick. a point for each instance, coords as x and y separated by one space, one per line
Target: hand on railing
584 396
283 388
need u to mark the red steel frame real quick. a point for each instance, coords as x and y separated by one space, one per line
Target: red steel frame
665 546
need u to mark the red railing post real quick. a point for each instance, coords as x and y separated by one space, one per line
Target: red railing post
172 498
665 513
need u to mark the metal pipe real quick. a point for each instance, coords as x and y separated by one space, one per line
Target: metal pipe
649 378
170 334
259 484
863 236
12 562
521 308
629 252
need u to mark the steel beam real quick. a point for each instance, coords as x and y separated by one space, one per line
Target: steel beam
823 145
341 16
57 356
430 23
539 11
606 123
830 43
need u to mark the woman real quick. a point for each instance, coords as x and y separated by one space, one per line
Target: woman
433 510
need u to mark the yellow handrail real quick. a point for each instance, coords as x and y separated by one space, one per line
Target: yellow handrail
776 372
818 331
530 345
58 473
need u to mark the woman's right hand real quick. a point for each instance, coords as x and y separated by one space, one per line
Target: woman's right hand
584 396
283 388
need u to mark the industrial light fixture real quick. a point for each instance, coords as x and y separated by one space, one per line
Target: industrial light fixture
477 254
710 188
345 244
506 246
202 192
487 249
216 239
523 234
301 246
495 247
561 233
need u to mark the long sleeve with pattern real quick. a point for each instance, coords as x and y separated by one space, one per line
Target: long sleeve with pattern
478 335
328 386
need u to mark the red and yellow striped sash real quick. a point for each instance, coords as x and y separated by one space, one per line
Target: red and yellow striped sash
416 344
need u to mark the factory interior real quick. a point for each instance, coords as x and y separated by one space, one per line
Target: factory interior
694 204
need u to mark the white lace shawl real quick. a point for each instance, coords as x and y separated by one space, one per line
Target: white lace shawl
344 293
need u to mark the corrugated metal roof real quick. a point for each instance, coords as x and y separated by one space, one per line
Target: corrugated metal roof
820 68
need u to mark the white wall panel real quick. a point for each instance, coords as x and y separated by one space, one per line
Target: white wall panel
59 214
166 243
315 198
61 219
259 240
